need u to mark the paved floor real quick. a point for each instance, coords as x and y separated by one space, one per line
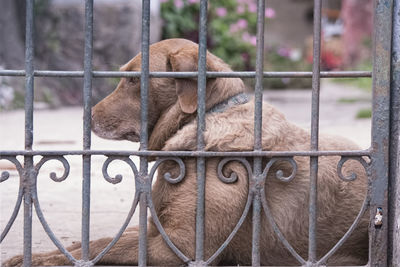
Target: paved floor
339 105
62 130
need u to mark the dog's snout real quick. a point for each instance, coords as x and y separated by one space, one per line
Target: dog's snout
94 116
96 121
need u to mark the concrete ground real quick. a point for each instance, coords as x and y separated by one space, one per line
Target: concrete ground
61 129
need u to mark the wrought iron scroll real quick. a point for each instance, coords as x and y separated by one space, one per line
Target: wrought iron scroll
364 206
231 179
352 176
36 203
53 175
114 180
279 175
118 178
154 216
167 175
4 176
349 178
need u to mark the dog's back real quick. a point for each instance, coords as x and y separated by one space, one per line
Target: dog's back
338 201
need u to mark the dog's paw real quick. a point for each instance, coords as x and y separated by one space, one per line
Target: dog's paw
14 261
38 260
53 260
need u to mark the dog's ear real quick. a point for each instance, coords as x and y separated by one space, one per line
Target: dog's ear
186 59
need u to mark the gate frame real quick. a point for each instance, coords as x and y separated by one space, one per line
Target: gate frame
394 167
384 151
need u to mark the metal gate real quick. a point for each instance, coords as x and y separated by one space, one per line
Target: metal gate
383 153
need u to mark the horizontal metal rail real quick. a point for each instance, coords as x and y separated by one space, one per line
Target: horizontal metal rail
207 266
209 74
155 153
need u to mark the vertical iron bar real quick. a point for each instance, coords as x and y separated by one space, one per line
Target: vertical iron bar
201 98
258 132
380 131
29 76
29 175
144 86
394 168
312 244
142 230
87 114
255 252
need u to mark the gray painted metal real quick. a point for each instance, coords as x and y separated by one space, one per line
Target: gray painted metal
87 115
187 153
201 125
28 177
385 140
380 131
312 222
257 162
144 95
394 168
210 74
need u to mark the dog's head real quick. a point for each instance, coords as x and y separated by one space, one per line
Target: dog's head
170 99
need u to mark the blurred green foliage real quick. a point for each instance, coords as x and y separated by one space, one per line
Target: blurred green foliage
364 113
231 29
232 37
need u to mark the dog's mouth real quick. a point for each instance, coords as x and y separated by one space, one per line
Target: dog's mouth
130 136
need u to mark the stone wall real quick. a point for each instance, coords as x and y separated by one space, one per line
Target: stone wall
59 45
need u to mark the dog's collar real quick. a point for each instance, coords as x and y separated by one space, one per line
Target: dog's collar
235 100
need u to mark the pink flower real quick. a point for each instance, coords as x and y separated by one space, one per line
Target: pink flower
270 13
221 11
240 9
178 4
283 52
246 37
252 7
239 25
242 23
193 1
253 40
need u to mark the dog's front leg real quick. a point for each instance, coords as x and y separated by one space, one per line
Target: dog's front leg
56 258
44 259
124 252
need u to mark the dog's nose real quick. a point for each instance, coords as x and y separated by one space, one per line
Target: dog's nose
94 113
94 116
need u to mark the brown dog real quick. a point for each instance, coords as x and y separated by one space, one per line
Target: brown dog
172 108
